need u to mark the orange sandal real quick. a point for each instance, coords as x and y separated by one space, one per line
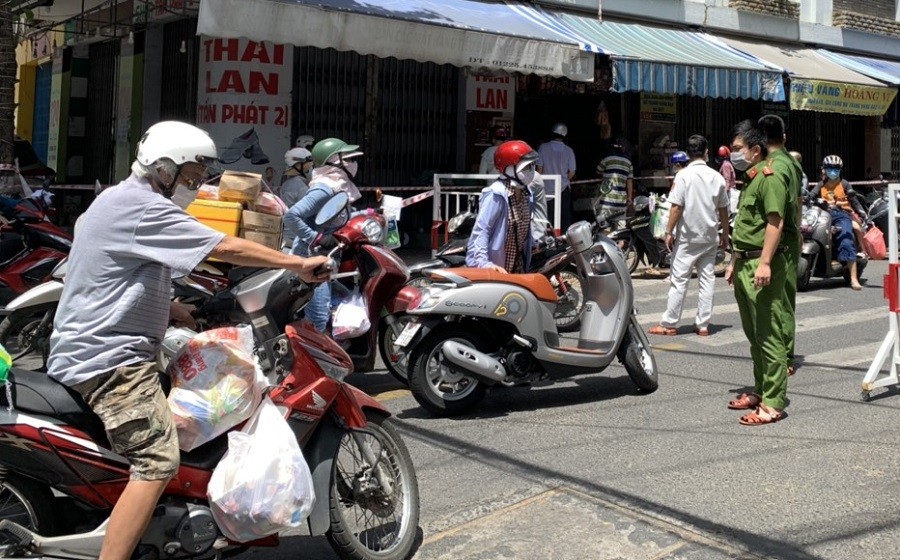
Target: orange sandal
745 401
659 329
761 416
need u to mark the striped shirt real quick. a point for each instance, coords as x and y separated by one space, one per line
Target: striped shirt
615 171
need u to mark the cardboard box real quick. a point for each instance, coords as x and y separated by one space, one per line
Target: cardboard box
238 186
217 214
264 223
271 240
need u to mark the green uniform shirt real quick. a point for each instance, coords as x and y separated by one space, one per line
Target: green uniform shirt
782 163
766 194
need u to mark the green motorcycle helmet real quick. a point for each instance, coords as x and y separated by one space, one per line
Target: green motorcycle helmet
324 149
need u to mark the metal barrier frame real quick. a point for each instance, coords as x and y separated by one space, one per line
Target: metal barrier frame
890 347
441 212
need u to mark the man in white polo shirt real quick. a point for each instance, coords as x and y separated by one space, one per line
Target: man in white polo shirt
558 159
699 207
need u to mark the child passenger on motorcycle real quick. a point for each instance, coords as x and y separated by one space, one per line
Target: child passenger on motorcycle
846 213
501 239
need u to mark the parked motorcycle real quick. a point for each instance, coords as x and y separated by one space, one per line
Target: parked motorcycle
59 481
30 247
818 254
476 328
636 240
878 212
552 259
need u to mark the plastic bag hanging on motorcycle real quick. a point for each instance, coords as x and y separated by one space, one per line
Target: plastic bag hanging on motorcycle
874 245
659 220
216 384
351 318
392 207
262 485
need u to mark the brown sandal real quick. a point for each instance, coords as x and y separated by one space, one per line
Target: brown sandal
761 416
659 329
745 402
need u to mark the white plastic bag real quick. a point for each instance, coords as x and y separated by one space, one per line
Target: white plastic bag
351 318
216 384
262 485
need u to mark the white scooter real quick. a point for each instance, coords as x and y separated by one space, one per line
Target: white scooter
476 328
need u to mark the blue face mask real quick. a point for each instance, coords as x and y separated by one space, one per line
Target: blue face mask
833 173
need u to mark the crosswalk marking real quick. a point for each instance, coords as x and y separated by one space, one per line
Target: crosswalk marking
842 357
720 310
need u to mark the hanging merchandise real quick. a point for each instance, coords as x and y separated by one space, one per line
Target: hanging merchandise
392 206
659 220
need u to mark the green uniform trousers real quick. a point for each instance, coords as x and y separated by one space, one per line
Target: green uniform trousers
789 323
762 312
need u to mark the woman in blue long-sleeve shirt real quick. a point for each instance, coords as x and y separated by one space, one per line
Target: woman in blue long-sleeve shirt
501 239
335 162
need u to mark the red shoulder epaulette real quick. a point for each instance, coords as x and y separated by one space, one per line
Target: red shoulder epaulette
767 171
752 173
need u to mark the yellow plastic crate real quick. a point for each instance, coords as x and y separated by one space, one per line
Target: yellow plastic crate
219 215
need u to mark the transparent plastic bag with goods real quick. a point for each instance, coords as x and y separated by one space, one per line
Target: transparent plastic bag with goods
351 318
263 485
216 384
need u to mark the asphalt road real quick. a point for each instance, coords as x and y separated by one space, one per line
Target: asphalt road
589 468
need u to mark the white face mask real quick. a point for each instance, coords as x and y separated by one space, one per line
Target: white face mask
351 167
183 196
739 161
527 175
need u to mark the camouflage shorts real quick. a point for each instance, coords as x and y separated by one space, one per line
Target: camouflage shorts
138 422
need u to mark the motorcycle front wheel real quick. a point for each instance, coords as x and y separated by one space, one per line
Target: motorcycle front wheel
638 359
26 503
368 520
27 331
630 252
396 360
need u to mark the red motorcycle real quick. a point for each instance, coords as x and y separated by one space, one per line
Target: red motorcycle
382 278
58 476
30 248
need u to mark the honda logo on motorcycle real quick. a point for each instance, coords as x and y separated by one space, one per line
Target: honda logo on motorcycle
318 403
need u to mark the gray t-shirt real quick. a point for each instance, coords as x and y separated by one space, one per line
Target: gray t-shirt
115 306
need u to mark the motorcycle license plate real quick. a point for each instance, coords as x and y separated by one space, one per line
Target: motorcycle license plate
407 335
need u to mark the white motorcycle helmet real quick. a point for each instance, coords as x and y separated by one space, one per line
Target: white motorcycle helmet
176 141
297 155
305 141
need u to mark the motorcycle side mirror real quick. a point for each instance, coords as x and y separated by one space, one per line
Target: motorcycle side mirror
335 213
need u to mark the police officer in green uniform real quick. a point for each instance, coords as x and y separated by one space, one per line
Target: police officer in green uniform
784 165
758 274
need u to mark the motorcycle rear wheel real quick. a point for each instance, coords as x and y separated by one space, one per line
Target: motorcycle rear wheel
630 252
441 388
389 522
27 503
21 333
570 304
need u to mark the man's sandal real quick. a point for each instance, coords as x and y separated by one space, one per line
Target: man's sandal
745 401
761 416
659 329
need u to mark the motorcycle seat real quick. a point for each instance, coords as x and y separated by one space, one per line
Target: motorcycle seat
37 392
537 284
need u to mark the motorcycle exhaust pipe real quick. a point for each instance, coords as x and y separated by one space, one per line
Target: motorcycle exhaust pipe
477 363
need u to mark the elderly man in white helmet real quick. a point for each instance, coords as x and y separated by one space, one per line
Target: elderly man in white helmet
116 307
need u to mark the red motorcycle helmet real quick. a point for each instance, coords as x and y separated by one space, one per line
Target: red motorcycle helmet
515 153
724 152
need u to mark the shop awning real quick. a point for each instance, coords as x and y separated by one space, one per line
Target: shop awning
884 70
465 33
678 62
819 84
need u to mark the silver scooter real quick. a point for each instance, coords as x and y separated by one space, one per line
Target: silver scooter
475 328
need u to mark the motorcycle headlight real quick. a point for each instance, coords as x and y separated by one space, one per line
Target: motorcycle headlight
809 218
455 222
373 231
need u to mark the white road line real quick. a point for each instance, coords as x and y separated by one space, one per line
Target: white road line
842 357
809 324
719 310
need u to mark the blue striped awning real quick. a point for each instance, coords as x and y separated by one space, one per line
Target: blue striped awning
675 61
887 71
